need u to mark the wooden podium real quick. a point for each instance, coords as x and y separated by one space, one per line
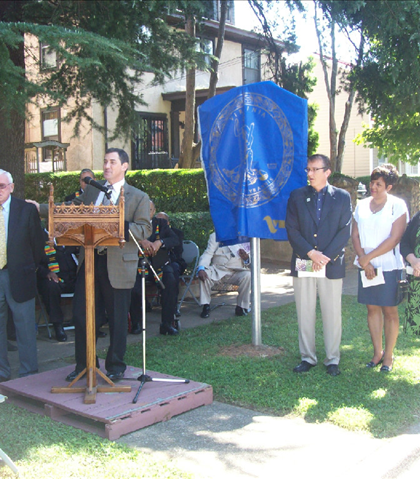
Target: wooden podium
91 227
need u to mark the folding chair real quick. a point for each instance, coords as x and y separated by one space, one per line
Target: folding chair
191 256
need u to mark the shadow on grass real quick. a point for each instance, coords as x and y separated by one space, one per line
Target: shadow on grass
359 399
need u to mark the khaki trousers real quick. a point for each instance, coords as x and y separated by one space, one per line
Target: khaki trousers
241 278
329 291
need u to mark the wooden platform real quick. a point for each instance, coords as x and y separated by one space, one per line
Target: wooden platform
114 414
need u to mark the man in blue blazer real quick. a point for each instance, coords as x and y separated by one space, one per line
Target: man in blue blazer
21 249
318 224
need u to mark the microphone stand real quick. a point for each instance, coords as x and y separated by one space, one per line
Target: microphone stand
145 378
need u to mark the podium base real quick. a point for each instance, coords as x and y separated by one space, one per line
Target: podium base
112 415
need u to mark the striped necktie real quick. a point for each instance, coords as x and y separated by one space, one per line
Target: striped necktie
106 201
3 246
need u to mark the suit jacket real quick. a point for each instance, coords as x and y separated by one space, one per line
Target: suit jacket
25 247
63 256
177 251
330 236
122 262
73 195
219 261
161 230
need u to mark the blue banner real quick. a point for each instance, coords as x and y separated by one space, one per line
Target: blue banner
254 151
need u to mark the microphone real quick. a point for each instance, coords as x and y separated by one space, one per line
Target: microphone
89 181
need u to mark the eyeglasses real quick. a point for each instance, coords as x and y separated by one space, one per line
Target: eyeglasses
314 170
3 186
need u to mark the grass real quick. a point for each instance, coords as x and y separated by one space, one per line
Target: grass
43 448
359 399
382 405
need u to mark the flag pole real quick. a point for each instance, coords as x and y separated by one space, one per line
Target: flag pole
256 291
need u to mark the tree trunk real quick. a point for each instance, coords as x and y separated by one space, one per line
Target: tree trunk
187 158
347 113
219 48
12 135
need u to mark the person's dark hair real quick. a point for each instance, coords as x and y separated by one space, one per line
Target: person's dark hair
121 153
325 160
387 172
87 170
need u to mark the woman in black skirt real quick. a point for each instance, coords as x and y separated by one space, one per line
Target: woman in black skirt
380 221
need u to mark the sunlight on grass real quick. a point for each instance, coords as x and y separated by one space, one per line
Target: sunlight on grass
43 448
305 404
355 419
378 394
358 399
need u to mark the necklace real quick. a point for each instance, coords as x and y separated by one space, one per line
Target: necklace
376 208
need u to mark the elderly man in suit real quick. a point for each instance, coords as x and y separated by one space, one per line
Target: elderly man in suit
115 267
318 224
224 263
21 249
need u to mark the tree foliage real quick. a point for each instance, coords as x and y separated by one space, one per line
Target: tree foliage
295 77
387 77
389 81
104 48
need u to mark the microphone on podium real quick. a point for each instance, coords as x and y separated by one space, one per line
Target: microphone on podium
89 181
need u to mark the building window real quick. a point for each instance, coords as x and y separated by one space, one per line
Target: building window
150 142
206 46
50 129
251 66
48 57
409 170
214 9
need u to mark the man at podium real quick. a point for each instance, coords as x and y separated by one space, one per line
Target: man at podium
115 268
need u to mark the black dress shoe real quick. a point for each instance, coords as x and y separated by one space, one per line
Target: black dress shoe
115 376
371 364
135 329
72 376
11 347
332 370
60 334
387 369
240 311
206 311
176 324
303 367
168 329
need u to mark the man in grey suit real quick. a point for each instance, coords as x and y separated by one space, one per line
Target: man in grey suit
115 267
21 250
318 221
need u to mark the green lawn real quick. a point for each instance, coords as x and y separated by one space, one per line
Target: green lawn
360 399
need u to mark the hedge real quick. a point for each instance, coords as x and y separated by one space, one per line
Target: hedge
171 190
182 194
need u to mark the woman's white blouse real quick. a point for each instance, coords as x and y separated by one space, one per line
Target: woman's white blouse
375 228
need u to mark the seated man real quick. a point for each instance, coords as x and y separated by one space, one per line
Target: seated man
157 248
177 261
56 274
83 174
228 264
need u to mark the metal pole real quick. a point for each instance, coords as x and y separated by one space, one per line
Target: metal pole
256 291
